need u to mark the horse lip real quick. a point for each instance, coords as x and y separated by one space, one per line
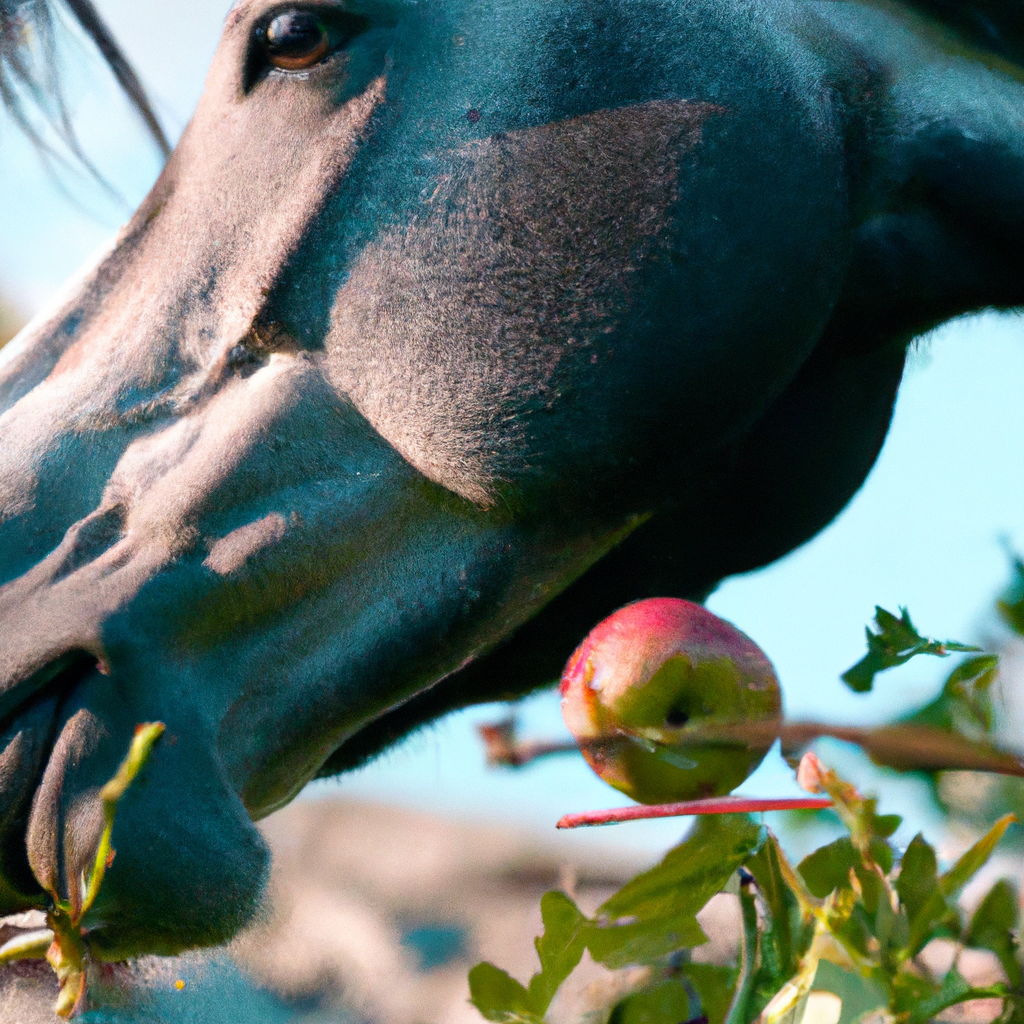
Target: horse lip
61 674
28 732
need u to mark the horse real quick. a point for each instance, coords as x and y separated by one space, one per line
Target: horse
448 328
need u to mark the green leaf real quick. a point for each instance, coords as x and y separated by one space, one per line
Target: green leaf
920 893
655 913
559 948
910 990
993 925
881 852
894 642
28 945
955 989
965 702
786 936
499 997
885 825
642 942
1011 604
860 995
918 875
692 872
828 867
970 863
874 894
750 944
665 1003
766 867
713 985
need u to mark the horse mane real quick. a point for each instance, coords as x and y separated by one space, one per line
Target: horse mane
28 68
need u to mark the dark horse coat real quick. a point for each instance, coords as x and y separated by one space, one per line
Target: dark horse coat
426 353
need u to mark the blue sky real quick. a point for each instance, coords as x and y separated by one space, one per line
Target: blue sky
926 530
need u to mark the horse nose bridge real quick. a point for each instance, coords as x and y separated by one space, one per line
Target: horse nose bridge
244 188
56 457
98 433
91 520
249 447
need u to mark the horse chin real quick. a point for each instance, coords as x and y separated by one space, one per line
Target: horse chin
188 869
25 742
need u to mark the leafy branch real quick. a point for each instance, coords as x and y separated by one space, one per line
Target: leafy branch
893 642
850 919
652 916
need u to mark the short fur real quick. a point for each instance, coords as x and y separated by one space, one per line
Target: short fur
416 364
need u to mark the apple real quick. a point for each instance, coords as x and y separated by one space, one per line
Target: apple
639 690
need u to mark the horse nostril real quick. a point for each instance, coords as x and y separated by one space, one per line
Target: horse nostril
57 678
269 334
264 337
241 357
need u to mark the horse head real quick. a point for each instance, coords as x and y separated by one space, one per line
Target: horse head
448 327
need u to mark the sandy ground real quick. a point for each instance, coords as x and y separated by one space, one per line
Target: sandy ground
374 916
384 911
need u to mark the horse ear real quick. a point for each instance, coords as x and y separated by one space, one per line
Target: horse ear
28 68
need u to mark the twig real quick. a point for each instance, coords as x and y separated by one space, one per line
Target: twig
714 805
504 749
903 746
68 954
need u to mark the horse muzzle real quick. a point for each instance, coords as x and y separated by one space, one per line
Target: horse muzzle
261 572
189 867
245 563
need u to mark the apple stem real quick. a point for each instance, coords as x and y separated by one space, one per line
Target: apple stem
714 805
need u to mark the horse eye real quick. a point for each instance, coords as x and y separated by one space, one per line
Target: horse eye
296 40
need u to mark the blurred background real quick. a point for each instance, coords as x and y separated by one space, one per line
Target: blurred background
930 530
